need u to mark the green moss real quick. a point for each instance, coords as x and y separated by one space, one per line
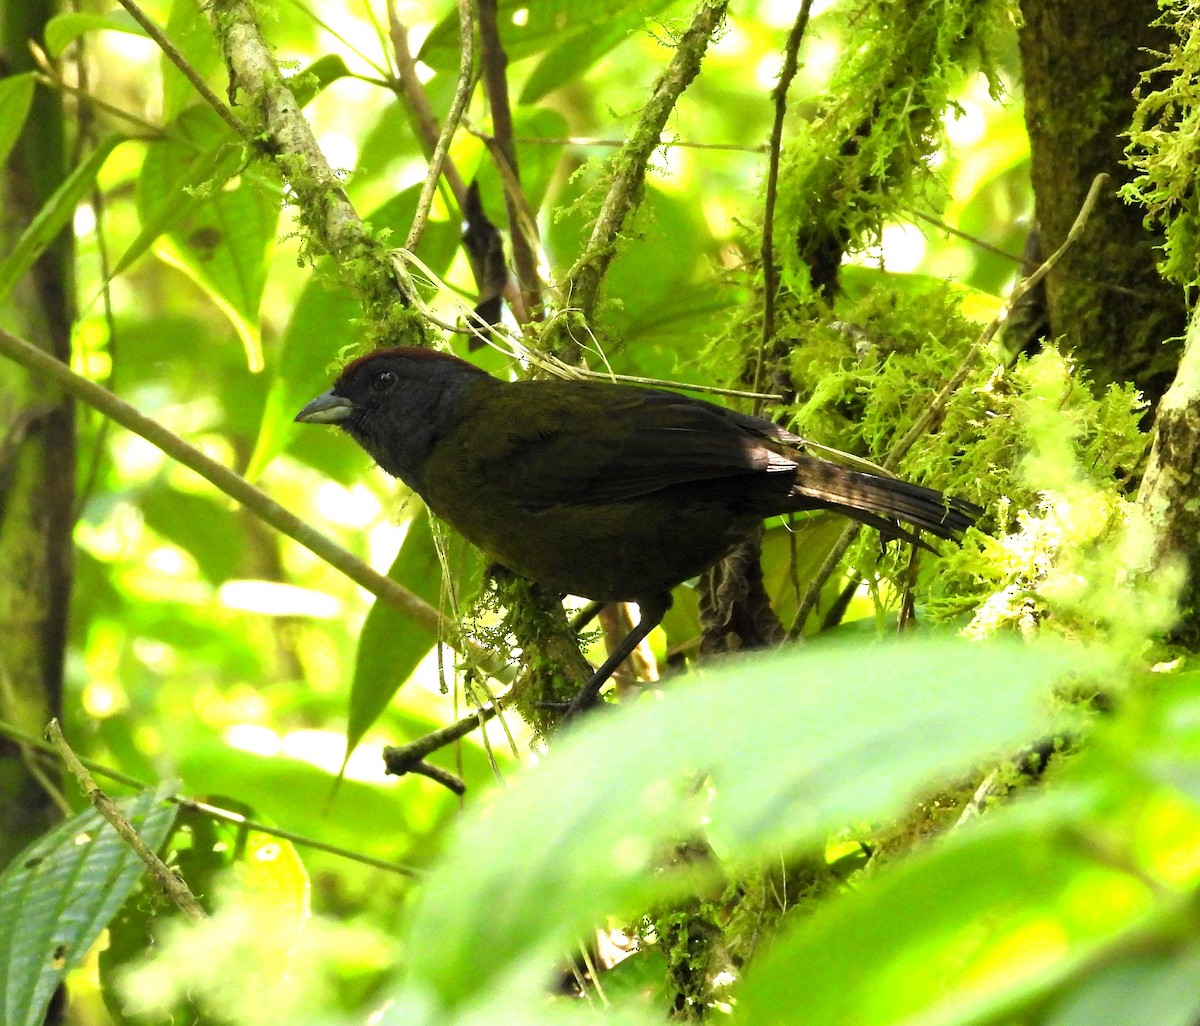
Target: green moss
1163 142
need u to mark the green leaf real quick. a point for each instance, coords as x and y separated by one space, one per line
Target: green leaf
392 644
60 892
198 156
574 56
16 94
193 37
848 734
200 524
542 26
1153 988
63 29
54 216
989 918
219 229
324 71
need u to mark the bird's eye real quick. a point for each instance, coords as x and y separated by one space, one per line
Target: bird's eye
382 382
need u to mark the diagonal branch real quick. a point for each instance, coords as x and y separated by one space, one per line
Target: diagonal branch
239 489
629 177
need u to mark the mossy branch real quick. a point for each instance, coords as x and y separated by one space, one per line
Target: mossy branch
325 210
629 176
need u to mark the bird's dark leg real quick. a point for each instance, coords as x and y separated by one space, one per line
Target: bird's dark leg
653 609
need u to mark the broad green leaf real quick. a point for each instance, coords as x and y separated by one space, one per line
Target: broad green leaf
1163 989
202 525
16 94
60 892
322 322
661 299
317 76
222 244
180 172
574 56
54 216
848 734
64 29
219 229
391 644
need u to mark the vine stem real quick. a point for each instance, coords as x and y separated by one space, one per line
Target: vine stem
791 64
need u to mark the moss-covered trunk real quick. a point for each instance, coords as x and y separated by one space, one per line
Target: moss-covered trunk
1081 62
37 451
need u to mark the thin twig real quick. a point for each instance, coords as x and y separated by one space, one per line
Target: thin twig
614 144
770 274
211 811
625 193
405 758
172 886
937 405
494 62
462 92
173 54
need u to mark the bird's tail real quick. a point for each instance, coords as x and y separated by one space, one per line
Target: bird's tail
885 503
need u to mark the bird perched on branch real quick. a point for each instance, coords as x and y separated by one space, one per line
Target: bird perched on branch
609 492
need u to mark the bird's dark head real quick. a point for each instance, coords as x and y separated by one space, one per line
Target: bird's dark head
396 403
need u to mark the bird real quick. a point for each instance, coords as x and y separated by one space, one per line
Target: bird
606 491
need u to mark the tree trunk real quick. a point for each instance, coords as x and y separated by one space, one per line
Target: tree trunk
1081 62
37 451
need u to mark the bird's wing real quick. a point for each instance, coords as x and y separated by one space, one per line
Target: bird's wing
606 444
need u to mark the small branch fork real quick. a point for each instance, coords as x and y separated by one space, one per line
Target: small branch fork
939 402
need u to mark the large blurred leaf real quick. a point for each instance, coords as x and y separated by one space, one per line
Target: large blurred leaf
949 934
200 524
547 24
791 747
60 892
392 644
575 55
